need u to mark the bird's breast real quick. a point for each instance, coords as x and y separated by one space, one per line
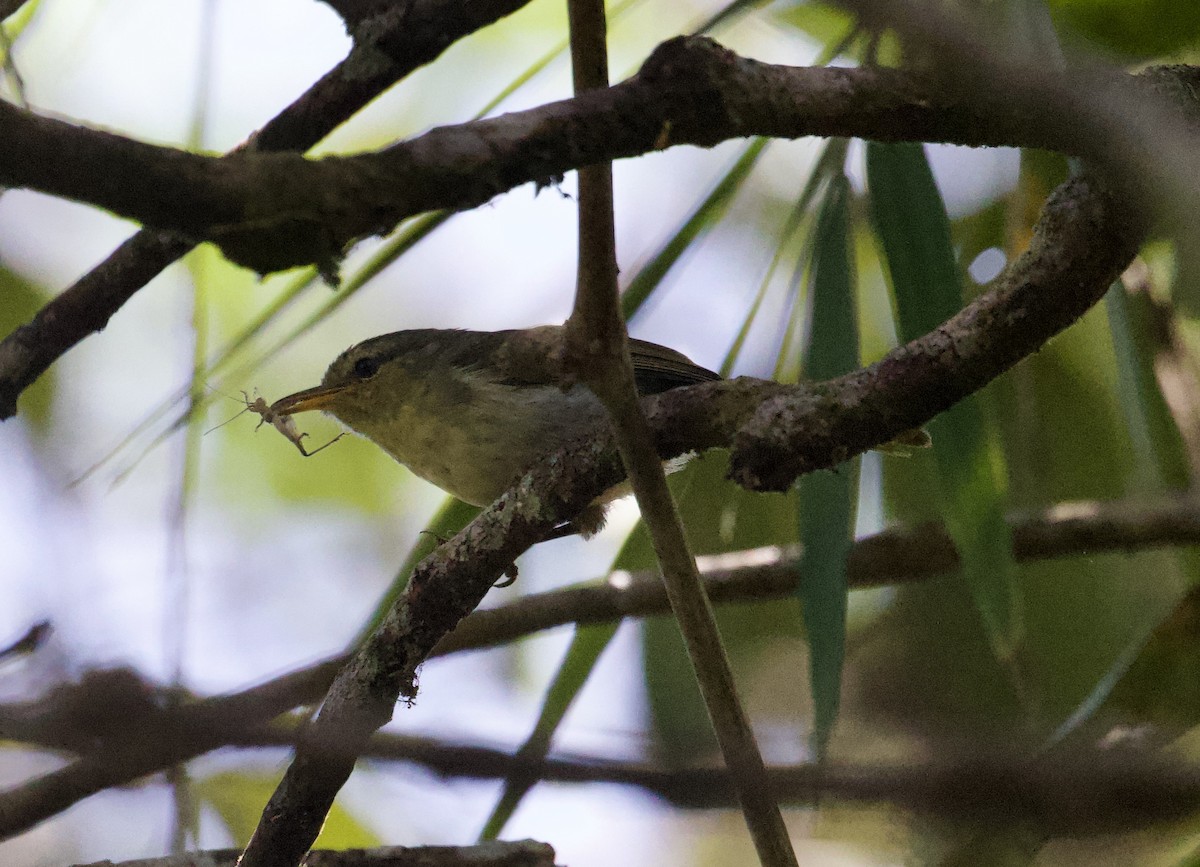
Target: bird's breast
474 441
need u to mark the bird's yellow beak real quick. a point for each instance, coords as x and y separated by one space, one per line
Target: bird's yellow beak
309 399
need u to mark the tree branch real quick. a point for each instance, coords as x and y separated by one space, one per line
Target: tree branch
274 211
1080 793
74 717
395 45
1084 791
520 853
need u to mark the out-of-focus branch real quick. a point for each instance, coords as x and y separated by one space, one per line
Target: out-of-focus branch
519 853
83 717
1080 792
896 556
124 731
393 47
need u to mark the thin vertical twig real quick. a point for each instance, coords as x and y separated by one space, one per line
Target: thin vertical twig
597 352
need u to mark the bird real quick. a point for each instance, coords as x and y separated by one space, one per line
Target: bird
460 409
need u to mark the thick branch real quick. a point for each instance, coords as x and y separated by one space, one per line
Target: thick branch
396 45
273 211
686 93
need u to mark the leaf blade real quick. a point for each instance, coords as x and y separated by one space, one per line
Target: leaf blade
912 225
825 512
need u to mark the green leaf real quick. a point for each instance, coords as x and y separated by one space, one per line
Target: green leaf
1158 447
727 14
702 218
827 499
833 154
238 798
449 519
1131 28
723 517
910 219
833 335
824 23
973 495
911 222
20 299
577 666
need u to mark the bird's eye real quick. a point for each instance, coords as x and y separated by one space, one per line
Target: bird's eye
366 367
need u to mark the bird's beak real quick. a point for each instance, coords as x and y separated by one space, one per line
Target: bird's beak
303 401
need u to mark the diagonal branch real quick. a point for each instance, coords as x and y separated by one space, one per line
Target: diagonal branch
596 352
398 44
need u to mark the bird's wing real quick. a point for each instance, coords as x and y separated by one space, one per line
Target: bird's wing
518 358
657 368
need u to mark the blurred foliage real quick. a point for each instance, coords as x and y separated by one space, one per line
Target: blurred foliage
1133 29
20 298
238 798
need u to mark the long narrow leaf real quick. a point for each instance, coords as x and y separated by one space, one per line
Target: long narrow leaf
702 217
450 517
826 507
586 647
1158 447
910 219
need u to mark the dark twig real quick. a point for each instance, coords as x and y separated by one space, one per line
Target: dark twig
596 352
426 29
519 853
